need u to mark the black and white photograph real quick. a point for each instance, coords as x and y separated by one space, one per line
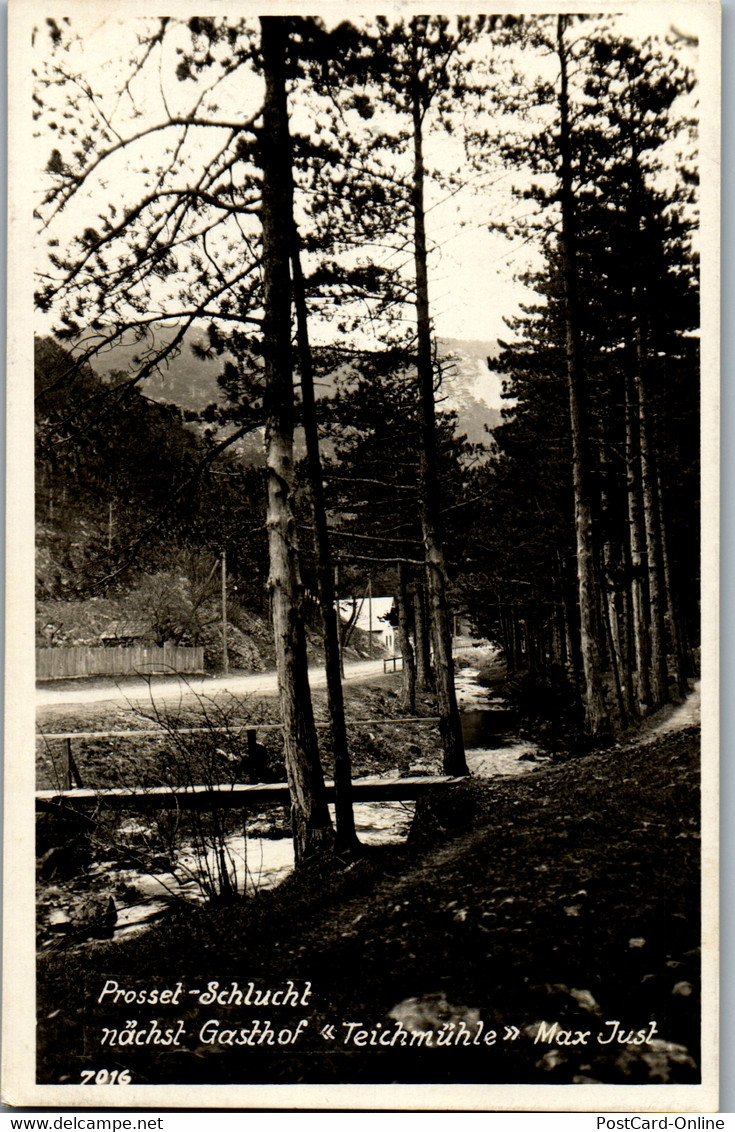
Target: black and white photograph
363 416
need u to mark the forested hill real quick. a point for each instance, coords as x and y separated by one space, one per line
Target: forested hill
184 380
189 380
127 496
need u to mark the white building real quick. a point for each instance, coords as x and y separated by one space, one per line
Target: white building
372 614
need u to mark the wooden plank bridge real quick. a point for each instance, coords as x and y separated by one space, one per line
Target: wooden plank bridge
228 796
240 796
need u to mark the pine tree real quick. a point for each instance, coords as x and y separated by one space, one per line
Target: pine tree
613 234
195 242
412 70
312 827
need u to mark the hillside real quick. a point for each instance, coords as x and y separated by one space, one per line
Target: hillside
184 380
128 496
190 382
470 388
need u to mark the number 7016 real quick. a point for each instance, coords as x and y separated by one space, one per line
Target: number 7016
103 1077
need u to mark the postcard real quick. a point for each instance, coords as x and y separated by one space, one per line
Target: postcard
361 649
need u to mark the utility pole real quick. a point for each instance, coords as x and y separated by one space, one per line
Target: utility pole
370 617
225 657
339 622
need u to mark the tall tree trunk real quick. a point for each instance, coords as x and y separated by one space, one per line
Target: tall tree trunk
608 589
559 629
618 622
649 495
449 721
652 514
340 623
518 642
561 654
638 580
408 689
672 613
312 829
596 717
509 636
506 631
613 640
421 638
347 840
567 582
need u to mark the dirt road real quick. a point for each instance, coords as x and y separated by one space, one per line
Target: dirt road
173 690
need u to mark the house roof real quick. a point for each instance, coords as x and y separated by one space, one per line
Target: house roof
381 607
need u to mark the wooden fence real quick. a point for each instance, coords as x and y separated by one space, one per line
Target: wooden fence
62 663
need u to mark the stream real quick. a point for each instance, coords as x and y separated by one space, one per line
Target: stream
256 862
488 728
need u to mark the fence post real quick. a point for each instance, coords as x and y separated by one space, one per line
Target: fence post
257 757
71 770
